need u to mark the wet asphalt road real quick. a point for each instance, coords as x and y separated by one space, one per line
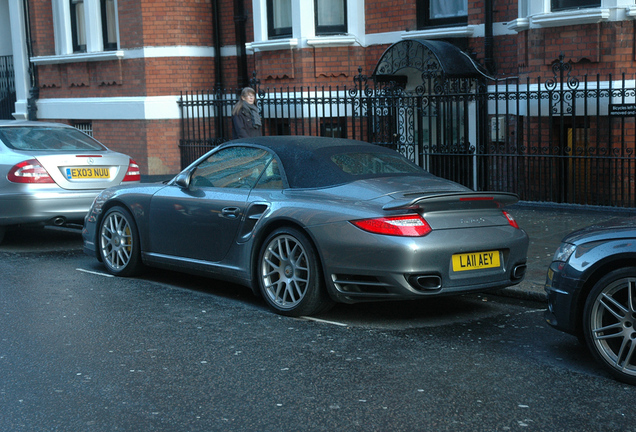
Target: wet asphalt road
80 351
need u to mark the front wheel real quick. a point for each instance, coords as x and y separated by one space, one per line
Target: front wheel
608 323
289 274
119 246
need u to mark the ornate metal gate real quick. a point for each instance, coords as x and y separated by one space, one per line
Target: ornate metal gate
559 140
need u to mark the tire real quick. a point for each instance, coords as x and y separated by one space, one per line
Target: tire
609 317
3 230
289 274
118 240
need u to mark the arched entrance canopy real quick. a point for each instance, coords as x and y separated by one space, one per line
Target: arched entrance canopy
430 57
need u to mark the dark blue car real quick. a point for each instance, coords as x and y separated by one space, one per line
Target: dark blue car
591 287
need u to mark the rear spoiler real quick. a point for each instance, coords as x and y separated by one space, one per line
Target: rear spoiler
452 200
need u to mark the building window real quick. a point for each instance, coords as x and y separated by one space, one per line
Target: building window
78 25
279 18
331 16
109 24
558 5
435 13
85 26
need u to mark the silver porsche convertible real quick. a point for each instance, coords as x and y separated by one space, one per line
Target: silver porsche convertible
307 221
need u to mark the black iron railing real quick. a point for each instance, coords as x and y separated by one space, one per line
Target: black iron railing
7 88
560 140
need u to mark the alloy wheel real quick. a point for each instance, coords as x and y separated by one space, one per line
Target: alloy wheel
285 271
612 329
116 241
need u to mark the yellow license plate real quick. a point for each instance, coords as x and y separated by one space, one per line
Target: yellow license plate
87 173
476 261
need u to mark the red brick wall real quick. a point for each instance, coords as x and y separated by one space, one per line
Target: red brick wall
124 137
169 76
41 16
153 143
167 23
595 48
309 67
162 139
130 30
389 16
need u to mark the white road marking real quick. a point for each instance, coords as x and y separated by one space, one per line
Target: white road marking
324 321
95 273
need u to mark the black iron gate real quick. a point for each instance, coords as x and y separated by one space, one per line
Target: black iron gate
560 140
7 88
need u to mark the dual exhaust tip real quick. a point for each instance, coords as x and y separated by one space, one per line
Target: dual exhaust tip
434 282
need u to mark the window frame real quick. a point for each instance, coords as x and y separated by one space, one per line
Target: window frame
303 28
424 20
65 30
277 32
331 29
597 4
109 25
78 25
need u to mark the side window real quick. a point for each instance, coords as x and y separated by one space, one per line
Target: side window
271 178
331 16
437 13
279 19
233 167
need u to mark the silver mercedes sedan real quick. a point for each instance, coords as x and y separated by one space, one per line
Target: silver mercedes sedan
50 173
308 221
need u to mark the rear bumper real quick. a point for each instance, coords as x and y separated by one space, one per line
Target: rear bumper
45 207
360 266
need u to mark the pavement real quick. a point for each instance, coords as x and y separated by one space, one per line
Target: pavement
546 225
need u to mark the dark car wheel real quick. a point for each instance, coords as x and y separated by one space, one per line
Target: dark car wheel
289 274
608 323
119 242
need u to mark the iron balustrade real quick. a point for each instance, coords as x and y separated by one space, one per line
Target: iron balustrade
558 140
7 88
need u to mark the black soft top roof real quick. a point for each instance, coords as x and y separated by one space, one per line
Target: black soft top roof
307 160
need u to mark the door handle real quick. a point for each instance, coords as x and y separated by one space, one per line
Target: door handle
230 212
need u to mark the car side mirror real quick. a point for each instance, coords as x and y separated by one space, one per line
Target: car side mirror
183 180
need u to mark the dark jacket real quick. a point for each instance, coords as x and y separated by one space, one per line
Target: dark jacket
242 126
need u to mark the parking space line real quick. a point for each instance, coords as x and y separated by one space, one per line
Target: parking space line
95 273
324 321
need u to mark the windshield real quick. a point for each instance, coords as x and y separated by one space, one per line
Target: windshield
48 138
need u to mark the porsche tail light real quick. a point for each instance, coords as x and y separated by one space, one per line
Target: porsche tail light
513 223
404 226
133 173
29 171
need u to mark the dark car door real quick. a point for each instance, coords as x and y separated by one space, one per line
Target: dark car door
201 221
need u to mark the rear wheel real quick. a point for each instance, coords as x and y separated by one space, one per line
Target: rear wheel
119 246
290 276
608 323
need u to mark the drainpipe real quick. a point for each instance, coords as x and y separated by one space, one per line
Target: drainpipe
34 93
239 24
218 61
489 61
